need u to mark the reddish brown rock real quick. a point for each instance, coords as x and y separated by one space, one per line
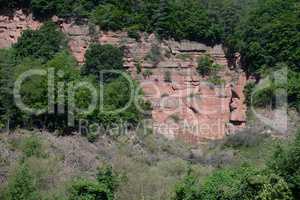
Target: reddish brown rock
12 27
189 107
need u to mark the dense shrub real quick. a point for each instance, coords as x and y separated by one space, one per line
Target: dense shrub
134 33
7 109
32 146
206 67
248 91
286 163
188 188
88 190
264 187
154 55
42 44
118 95
22 185
103 57
110 17
13 4
246 138
185 20
103 188
168 76
268 35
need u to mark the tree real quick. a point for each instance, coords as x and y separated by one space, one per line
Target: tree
206 67
264 187
100 58
41 44
286 163
7 109
106 176
103 188
110 17
188 188
22 186
88 190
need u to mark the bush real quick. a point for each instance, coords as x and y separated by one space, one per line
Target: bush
108 177
248 91
117 95
147 73
172 20
167 77
110 17
216 80
205 66
22 186
225 184
13 4
7 65
138 68
134 33
103 57
103 188
265 187
43 9
285 162
32 146
244 139
88 190
154 55
188 188
42 44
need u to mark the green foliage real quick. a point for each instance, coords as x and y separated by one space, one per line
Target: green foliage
88 190
110 17
103 188
32 146
244 139
14 4
185 20
264 97
188 188
100 58
294 89
248 91
154 55
134 33
168 76
216 80
147 73
266 35
118 95
7 110
205 66
138 68
270 35
286 163
263 187
42 44
106 176
22 185
225 184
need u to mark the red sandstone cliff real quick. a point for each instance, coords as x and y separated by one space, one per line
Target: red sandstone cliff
187 106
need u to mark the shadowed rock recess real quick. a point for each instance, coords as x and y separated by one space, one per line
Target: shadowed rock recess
185 104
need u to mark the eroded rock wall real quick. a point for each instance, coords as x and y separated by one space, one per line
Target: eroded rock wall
11 27
185 105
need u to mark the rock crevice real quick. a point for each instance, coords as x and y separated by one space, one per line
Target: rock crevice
186 105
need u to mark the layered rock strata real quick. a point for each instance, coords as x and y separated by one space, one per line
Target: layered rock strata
185 105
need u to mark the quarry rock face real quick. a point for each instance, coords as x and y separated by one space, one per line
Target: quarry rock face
185 104
11 27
